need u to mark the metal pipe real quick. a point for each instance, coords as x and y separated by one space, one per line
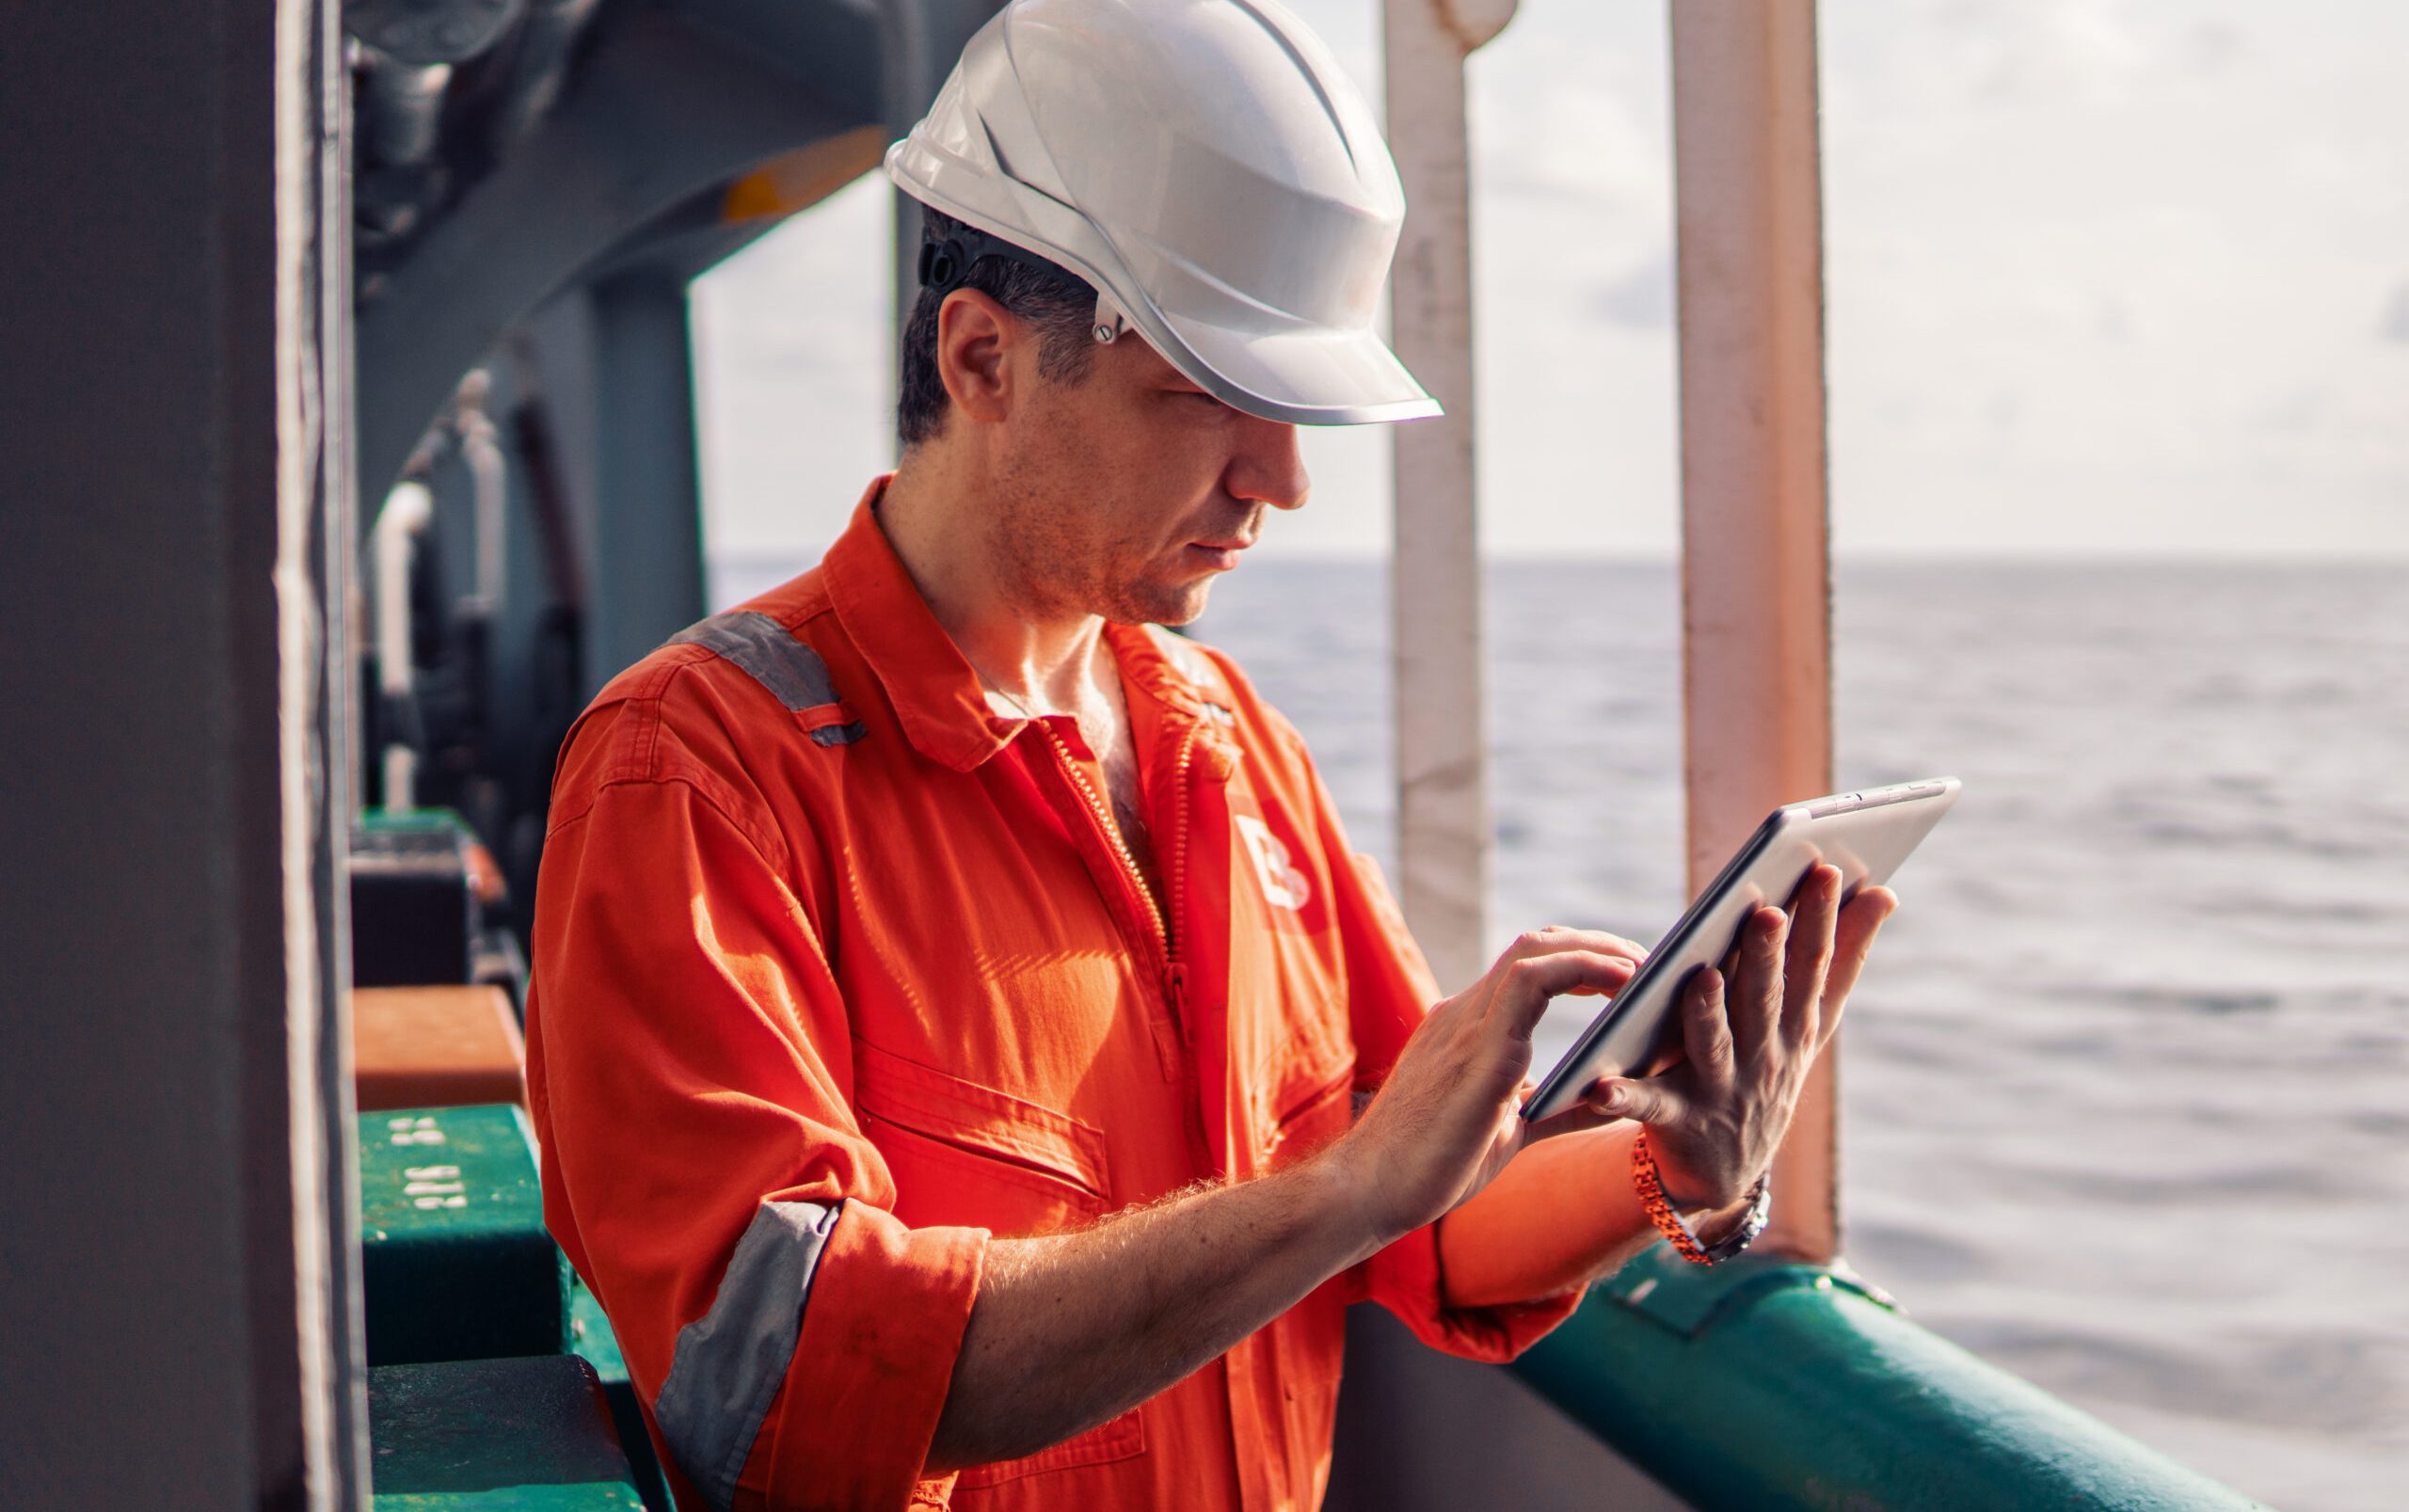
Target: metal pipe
1756 630
406 512
539 65
489 487
1767 1385
401 108
1444 841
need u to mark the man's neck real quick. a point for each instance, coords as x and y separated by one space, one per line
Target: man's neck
1037 654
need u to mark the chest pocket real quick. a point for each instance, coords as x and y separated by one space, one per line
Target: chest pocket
1312 1109
962 1154
967 1156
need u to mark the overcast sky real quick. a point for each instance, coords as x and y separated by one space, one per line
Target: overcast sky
2104 277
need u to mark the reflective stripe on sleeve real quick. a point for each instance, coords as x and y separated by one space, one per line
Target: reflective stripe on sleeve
731 1361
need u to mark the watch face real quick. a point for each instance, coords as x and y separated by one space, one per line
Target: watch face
1754 1225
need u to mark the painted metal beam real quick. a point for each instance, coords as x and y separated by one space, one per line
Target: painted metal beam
923 43
662 110
1444 838
644 552
1756 631
336 764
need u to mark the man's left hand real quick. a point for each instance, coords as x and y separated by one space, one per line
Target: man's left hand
1716 1118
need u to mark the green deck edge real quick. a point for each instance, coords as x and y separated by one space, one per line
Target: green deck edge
529 1435
390 820
591 1339
1761 1384
455 1262
514 1499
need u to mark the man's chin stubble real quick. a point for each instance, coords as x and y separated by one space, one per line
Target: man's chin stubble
1150 604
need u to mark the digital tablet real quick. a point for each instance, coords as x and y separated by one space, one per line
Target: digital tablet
1866 835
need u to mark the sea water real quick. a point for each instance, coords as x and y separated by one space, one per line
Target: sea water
2125 1089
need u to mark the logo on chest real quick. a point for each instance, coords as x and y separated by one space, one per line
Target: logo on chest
1284 884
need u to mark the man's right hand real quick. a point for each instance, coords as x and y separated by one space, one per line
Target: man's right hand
1448 1118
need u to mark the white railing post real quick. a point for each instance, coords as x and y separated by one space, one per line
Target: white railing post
1755 574
1443 793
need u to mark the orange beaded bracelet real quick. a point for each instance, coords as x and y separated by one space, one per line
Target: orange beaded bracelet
1651 1186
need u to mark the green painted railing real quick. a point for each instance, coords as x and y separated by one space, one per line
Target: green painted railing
1761 1384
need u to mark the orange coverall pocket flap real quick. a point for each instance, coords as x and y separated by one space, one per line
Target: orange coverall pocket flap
1120 1439
960 1153
1313 1110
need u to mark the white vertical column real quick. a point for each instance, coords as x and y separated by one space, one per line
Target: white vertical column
1755 578
1443 793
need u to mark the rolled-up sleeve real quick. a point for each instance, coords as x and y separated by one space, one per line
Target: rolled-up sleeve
689 1075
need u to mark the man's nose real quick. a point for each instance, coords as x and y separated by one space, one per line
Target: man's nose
1269 466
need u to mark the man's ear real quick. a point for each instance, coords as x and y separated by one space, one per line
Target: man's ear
974 339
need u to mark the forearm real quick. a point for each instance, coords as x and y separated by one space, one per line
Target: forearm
1070 1330
1562 1212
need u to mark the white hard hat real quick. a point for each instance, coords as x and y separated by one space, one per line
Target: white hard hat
1207 167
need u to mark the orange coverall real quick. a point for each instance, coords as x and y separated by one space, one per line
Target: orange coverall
838 973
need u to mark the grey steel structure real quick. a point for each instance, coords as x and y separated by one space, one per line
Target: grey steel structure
176 1322
533 208
528 186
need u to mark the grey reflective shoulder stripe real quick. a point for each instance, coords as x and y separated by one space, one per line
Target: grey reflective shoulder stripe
771 654
730 1362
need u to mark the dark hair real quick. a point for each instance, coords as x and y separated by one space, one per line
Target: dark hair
1060 303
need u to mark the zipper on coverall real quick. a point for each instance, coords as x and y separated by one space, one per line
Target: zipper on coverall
1178 1062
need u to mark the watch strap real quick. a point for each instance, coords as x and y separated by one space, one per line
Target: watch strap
1669 1223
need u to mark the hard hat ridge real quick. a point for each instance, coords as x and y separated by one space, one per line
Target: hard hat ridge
1207 167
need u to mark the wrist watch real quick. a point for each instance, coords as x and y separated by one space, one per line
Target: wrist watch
1676 1230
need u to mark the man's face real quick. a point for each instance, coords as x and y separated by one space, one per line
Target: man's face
1126 493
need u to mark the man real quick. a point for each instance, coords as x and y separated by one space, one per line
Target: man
970 1066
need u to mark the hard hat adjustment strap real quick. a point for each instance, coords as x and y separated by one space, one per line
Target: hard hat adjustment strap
946 265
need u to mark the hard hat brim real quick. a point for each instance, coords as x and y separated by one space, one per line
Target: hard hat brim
1305 377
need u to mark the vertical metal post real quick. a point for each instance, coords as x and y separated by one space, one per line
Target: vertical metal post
1755 578
168 1034
337 768
920 41
647 571
908 89
1444 841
